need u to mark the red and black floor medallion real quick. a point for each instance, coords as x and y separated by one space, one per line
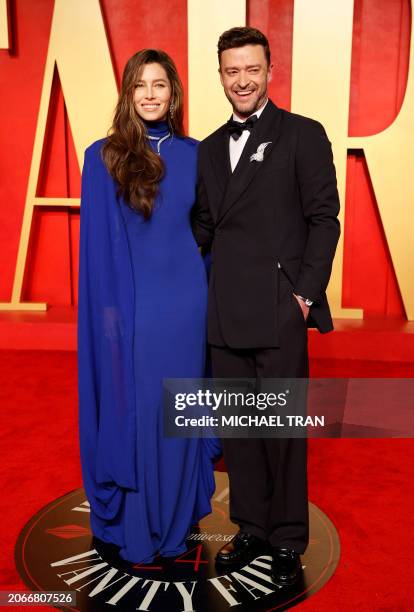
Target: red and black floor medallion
56 552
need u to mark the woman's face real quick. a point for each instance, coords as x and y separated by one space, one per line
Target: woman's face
152 95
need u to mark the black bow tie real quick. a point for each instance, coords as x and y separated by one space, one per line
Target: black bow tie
235 128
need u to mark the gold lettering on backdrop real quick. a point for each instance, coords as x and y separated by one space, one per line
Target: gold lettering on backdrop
322 46
206 21
390 159
79 49
4 25
321 68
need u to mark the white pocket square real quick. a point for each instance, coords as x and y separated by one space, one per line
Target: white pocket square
258 156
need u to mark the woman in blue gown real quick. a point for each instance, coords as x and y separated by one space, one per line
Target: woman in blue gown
142 315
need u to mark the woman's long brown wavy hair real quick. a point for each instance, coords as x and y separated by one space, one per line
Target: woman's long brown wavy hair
127 154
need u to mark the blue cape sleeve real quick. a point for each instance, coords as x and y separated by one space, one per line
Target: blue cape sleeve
106 304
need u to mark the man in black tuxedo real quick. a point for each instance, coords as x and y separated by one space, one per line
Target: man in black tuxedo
267 207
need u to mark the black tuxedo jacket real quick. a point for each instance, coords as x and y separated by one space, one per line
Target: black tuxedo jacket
280 210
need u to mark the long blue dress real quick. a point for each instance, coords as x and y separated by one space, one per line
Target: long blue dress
142 318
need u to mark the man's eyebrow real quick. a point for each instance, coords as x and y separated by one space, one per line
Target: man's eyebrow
238 67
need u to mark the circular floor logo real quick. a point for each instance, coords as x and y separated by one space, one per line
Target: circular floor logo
56 552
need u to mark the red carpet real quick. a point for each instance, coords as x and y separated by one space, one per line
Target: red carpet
364 486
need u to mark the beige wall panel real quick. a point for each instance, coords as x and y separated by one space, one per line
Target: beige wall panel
4 25
209 107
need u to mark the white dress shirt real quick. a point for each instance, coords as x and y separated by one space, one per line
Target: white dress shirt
237 146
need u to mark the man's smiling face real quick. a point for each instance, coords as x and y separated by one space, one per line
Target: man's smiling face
244 74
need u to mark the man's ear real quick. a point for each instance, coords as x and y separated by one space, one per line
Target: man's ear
221 77
270 73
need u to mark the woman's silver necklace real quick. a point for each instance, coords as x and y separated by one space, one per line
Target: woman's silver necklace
159 140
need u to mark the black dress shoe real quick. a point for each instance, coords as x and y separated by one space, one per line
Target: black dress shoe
243 548
286 566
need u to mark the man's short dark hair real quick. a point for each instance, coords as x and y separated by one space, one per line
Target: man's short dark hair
239 37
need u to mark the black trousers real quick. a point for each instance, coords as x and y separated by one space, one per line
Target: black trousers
268 477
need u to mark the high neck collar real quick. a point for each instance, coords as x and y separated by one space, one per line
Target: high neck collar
157 128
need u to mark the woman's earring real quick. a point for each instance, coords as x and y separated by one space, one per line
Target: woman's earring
171 110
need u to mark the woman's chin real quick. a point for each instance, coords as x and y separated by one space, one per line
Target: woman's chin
153 116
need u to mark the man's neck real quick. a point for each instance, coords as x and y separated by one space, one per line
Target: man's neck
257 112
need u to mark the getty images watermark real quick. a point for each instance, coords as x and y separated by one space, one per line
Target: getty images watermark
289 407
226 400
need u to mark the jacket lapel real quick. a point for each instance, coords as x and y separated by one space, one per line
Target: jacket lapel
266 130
